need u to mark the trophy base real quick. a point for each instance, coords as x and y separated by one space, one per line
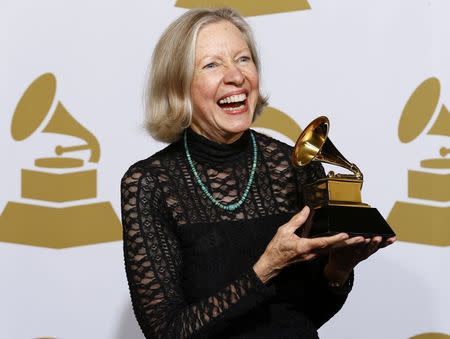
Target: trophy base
355 221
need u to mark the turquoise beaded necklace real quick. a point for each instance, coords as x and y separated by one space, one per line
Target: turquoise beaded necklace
230 207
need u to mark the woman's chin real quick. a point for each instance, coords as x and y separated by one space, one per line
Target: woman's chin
237 126
237 121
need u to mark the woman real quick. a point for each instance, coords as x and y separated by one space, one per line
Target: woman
210 220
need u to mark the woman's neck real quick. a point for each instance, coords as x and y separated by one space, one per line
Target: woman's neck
206 150
219 136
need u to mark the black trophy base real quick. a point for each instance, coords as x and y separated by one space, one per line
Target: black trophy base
355 221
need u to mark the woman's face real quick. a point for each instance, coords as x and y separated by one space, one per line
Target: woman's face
225 85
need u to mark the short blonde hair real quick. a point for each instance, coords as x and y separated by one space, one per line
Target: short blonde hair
168 104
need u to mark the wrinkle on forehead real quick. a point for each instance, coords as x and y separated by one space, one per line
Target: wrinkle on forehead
220 39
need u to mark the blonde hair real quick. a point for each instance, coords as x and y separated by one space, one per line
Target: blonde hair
168 104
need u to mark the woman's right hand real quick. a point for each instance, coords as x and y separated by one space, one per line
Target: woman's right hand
287 248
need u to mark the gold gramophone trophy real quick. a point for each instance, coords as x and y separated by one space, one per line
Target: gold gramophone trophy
335 199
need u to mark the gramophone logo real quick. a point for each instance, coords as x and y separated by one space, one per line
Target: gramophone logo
426 218
276 120
249 8
431 335
56 212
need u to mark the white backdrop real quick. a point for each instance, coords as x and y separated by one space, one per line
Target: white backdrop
358 62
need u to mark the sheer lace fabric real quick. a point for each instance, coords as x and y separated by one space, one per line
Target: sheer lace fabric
189 263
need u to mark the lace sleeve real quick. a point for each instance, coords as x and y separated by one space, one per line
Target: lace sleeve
153 266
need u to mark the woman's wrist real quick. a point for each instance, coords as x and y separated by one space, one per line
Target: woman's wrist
263 270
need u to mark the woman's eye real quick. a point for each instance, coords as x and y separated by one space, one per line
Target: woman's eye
244 58
210 65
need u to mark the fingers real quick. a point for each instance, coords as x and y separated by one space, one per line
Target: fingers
379 241
388 242
351 242
297 220
323 243
367 248
311 256
373 245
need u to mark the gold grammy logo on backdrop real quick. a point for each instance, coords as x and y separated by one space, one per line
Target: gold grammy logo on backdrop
431 335
427 222
276 120
249 8
56 180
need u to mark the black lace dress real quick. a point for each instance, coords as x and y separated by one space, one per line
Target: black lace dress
189 263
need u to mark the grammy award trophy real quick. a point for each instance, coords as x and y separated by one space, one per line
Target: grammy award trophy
335 199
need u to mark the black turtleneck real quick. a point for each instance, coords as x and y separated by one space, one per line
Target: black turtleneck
189 263
206 151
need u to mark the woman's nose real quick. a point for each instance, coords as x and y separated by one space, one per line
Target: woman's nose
234 75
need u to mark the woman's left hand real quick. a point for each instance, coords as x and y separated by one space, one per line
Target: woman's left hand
342 260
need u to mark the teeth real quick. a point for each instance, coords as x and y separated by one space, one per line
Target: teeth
233 98
233 108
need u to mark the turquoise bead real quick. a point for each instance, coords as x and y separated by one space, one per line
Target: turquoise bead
230 207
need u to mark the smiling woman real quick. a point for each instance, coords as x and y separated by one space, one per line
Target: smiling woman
225 85
210 242
188 52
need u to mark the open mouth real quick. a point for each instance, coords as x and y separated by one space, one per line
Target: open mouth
233 103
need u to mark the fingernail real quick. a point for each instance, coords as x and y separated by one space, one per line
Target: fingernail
359 240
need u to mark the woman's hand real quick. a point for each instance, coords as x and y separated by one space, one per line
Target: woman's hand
342 261
286 247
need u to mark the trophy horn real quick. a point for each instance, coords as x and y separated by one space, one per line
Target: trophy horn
313 144
34 107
